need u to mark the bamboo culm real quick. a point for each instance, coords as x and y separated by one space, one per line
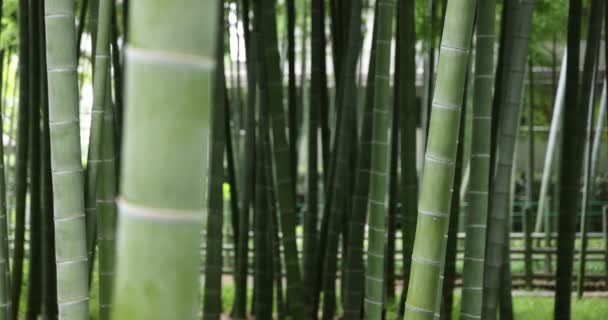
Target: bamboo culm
163 211
477 194
66 167
438 174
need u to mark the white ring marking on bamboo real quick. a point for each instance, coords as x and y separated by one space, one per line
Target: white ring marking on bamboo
127 208
418 310
167 57
72 261
67 303
425 261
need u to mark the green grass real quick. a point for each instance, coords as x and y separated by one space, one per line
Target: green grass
529 306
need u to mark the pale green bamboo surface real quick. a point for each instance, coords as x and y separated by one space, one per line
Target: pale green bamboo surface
164 162
67 176
438 174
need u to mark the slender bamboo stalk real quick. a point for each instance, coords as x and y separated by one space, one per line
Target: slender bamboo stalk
593 161
517 36
163 181
117 81
5 292
49 271
354 273
68 186
587 188
291 88
93 156
212 302
342 165
438 175
575 114
374 272
263 250
527 210
405 93
280 150
34 282
82 16
21 158
556 124
316 101
391 223
476 222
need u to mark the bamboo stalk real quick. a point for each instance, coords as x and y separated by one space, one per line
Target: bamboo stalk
592 151
573 146
164 163
438 175
21 158
212 302
68 186
476 223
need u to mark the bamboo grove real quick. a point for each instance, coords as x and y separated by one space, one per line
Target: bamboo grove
303 159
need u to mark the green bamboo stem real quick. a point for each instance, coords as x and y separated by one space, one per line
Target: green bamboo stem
212 302
477 193
21 159
263 258
82 16
93 156
68 187
438 175
527 210
506 298
164 165
517 35
106 211
405 93
374 272
445 300
34 281
116 55
346 103
49 271
354 272
391 223
277 267
576 118
291 88
5 297
550 156
317 44
100 195
280 151
588 190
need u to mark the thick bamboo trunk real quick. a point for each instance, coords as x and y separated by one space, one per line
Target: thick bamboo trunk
164 165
